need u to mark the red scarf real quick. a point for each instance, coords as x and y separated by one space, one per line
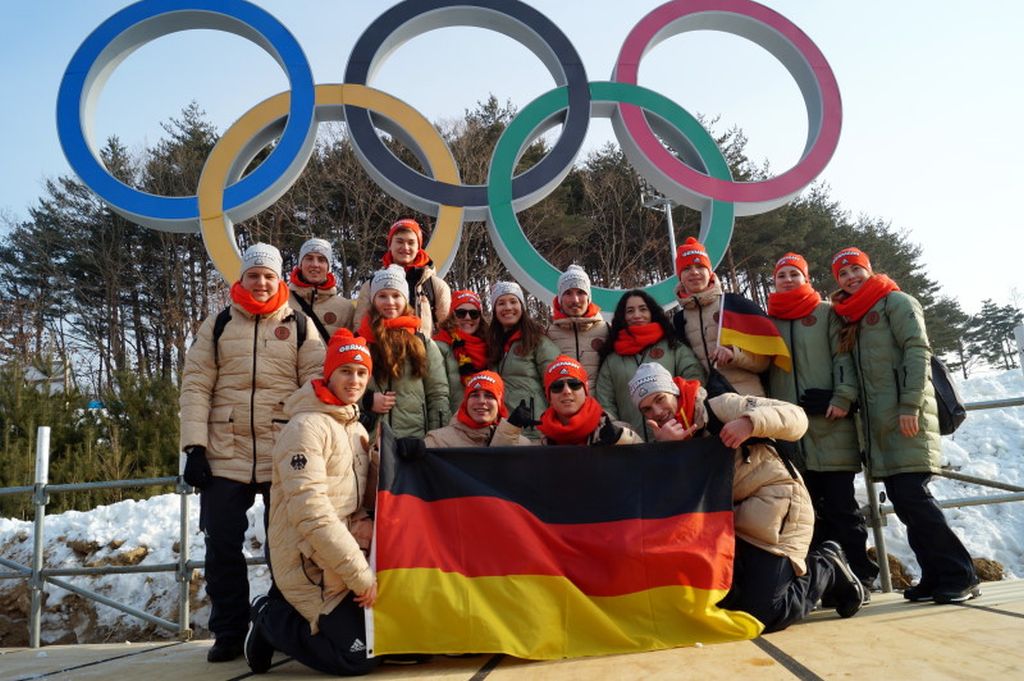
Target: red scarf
855 306
255 307
580 426
296 278
408 322
510 339
633 340
592 311
795 304
687 400
421 259
325 394
470 351
465 418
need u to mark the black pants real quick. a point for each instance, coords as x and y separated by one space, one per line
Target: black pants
222 518
339 648
837 517
945 563
765 586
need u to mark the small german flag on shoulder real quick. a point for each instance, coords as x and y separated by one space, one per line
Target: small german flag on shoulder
743 324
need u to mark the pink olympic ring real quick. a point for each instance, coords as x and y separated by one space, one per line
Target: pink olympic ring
786 42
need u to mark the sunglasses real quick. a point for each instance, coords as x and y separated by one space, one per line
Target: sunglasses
472 314
559 385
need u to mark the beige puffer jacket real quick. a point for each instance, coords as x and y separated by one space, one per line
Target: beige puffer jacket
234 405
582 339
458 434
700 314
771 507
429 316
320 467
333 311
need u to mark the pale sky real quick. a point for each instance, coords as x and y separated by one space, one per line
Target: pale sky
931 114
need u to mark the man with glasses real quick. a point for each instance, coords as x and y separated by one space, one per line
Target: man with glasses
577 327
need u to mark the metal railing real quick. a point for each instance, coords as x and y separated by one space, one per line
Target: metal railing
875 512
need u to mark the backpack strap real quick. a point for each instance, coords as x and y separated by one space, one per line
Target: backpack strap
223 317
300 326
308 309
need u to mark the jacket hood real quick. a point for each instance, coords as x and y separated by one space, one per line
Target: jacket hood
704 298
305 400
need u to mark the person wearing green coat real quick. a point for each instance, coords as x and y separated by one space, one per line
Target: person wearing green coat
518 351
409 385
885 333
462 340
640 332
823 382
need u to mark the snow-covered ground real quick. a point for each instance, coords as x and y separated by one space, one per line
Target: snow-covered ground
989 445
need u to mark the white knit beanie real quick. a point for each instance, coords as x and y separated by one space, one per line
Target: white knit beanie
650 377
393 277
503 288
262 255
321 246
574 277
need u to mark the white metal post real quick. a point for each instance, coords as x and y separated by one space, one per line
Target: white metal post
39 499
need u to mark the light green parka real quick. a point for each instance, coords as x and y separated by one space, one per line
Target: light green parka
522 374
421 404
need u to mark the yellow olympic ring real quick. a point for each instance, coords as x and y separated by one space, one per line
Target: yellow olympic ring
242 141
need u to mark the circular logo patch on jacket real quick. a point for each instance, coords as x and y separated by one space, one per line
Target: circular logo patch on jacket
282 332
597 344
298 462
871 318
657 353
330 318
809 320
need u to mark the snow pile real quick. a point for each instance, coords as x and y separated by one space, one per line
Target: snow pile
990 444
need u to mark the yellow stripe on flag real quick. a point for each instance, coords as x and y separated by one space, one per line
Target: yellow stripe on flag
542 617
773 346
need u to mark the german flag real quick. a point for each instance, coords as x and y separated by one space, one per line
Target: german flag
743 324
546 553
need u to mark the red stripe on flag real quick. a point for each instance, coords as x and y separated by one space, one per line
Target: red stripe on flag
751 324
488 536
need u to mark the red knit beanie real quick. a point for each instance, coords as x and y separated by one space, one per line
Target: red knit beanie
344 348
564 367
849 256
692 252
407 224
490 382
792 260
463 297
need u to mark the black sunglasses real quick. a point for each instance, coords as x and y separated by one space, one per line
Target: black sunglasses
472 314
560 384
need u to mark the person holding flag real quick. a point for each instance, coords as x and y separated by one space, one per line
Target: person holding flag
726 331
775 578
824 383
482 420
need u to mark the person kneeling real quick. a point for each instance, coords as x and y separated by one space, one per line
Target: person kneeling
574 417
318 531
775 578
481 418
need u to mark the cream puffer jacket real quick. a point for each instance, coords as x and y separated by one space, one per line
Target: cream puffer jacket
771 507
333 311
582 339
458 434
697 325
232 401
320 469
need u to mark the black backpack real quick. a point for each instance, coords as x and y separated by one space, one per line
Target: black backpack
951 407
225 316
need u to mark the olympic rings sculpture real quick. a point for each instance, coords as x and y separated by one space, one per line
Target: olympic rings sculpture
644 123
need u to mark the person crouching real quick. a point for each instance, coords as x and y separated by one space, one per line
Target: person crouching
480 420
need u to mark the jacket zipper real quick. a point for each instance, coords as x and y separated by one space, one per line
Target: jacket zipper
796 382
252 392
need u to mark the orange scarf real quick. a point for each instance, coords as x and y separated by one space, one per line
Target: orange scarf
465 418
410 323
420 260
853 307
580 426
795 304
470 351
633 340
510 339
592 311
296 278
255 307
687 400
325 394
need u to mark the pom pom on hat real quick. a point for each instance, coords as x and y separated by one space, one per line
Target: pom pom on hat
691 252
573 277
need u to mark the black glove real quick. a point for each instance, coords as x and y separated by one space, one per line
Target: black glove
522 417
815 401
410 448
609 433
197 468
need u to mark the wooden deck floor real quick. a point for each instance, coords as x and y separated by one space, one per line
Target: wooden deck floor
889 639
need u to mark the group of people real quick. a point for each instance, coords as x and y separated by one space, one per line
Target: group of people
282 390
